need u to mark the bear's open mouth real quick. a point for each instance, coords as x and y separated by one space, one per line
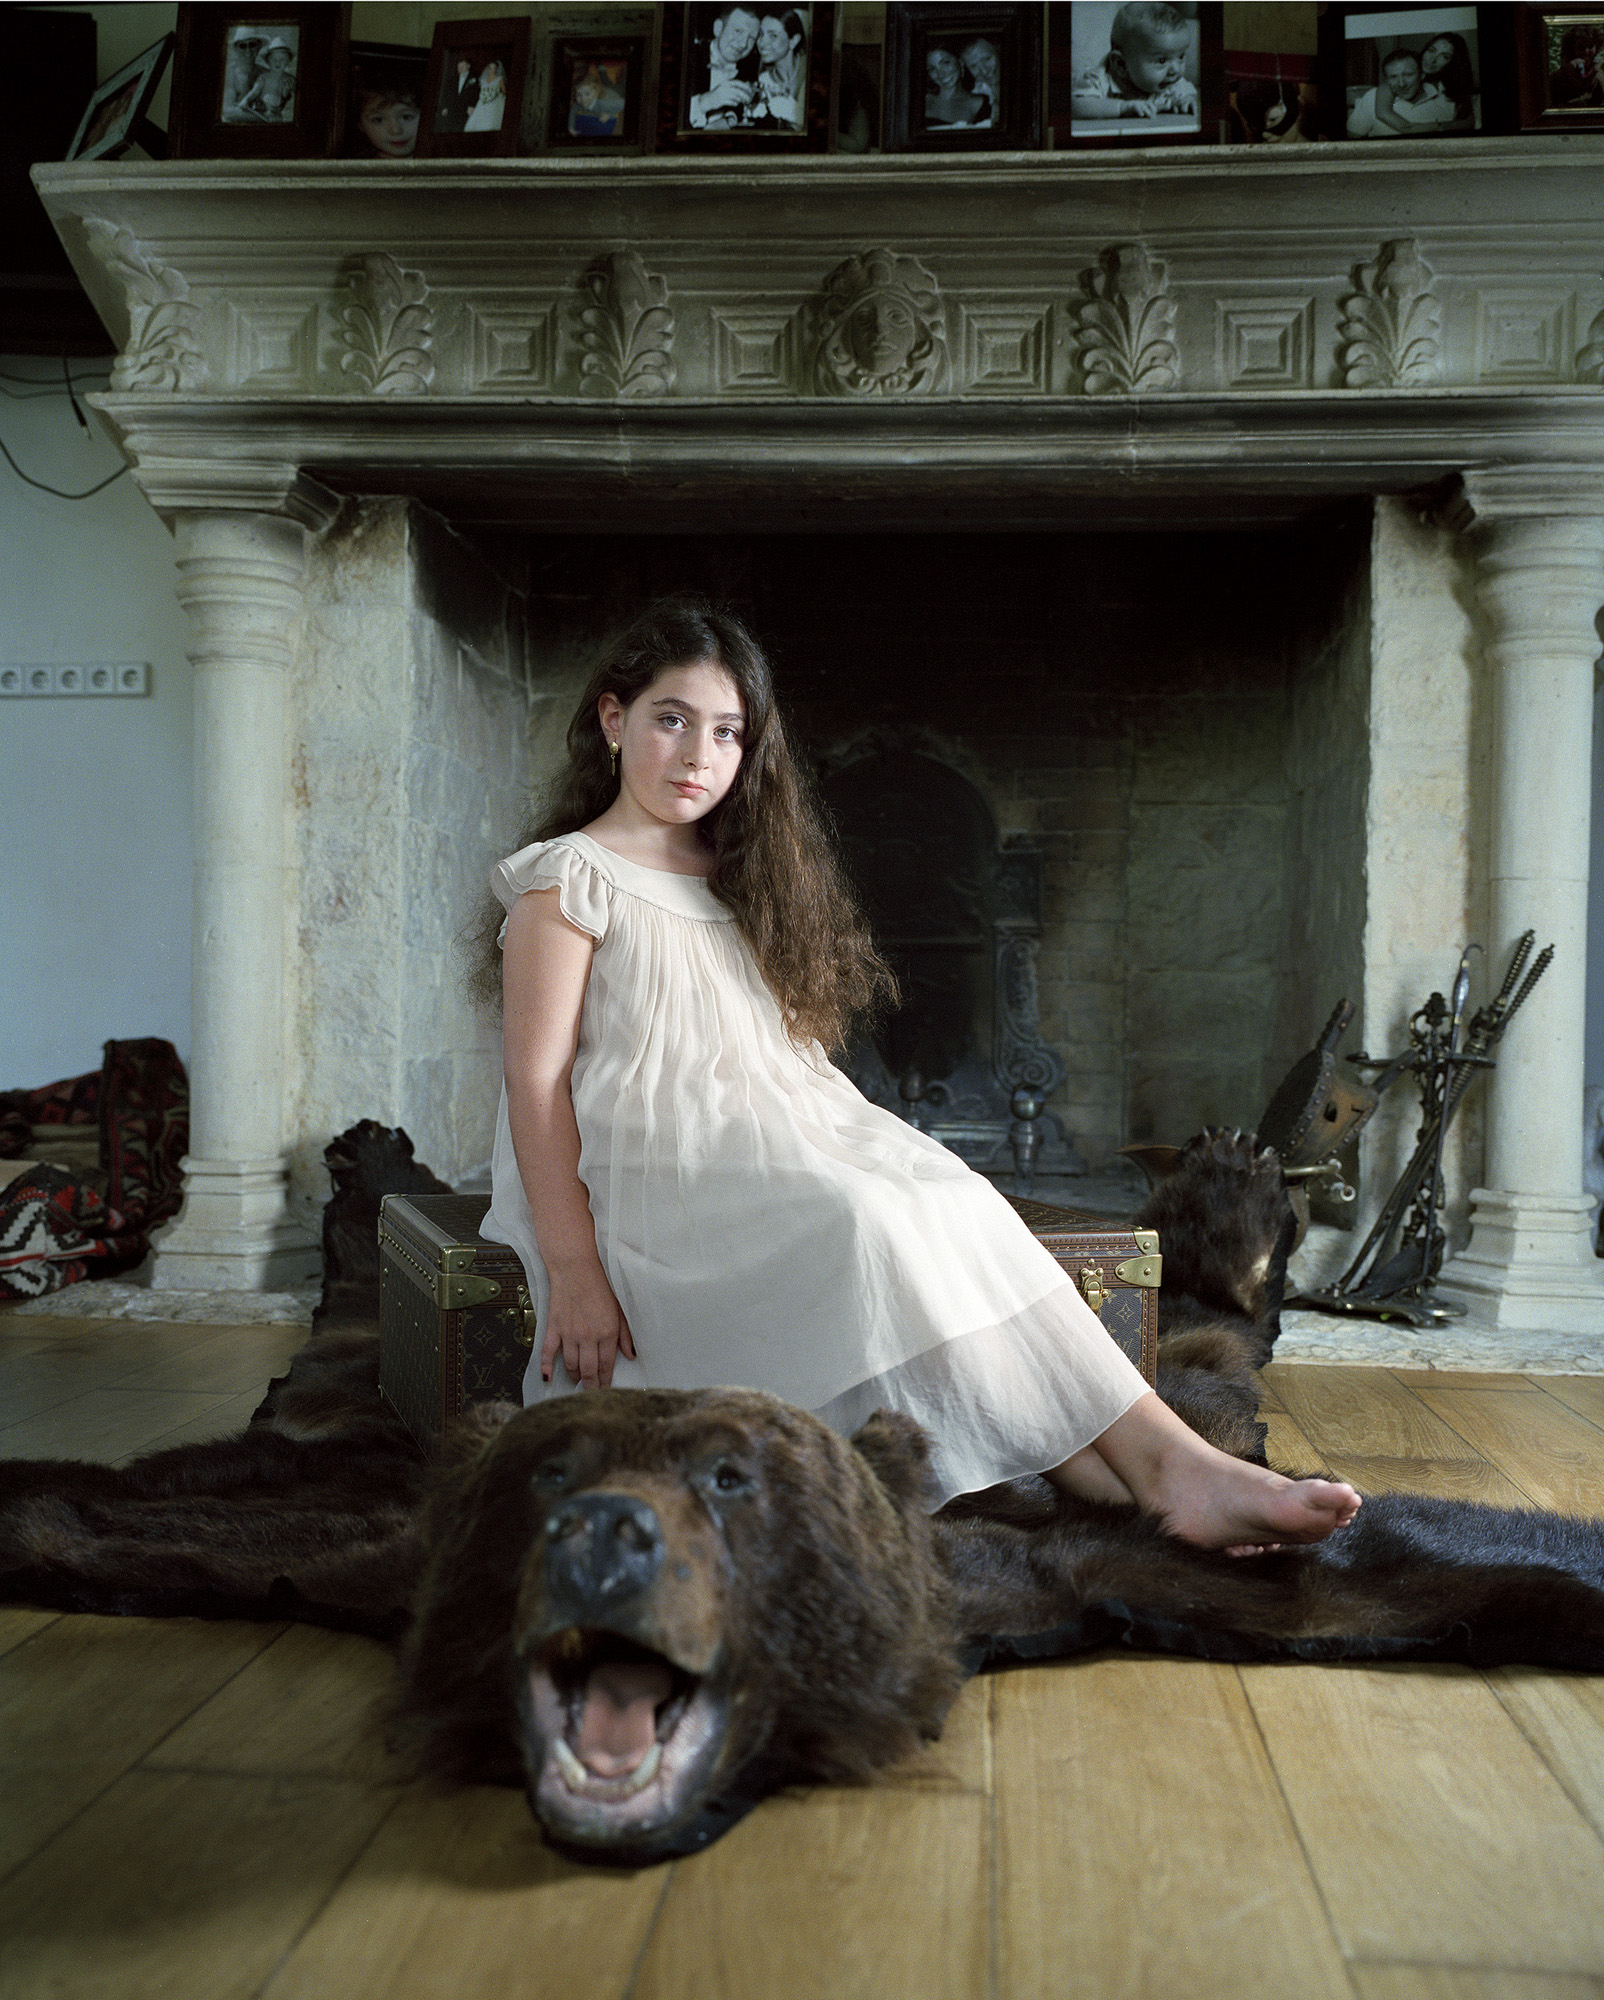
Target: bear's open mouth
618 1738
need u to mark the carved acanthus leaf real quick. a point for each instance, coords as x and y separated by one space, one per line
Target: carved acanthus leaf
1590 359
163 350
626 330
1124 321
1387 332
388 328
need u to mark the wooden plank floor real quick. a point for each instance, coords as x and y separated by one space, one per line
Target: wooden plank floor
197 1811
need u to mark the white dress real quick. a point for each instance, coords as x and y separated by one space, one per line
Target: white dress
762 1224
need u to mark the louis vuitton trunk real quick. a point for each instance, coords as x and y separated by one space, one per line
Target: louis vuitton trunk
455 1320
1116 1267
456 1325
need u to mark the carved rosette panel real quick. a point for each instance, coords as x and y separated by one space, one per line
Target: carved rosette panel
880 329
1590 359
1388 326
1124 324
625 329
1020 1055
388 328
163 350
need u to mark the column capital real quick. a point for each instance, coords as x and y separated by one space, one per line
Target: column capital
1485 495
176 487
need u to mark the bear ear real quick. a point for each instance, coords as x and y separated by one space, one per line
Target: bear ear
477 1428
898 1454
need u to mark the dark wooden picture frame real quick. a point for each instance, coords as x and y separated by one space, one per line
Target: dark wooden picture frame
500 40
218 75
601 54
115 116
1559 68
380 73
676 78
1204 72
1004 105
1352 68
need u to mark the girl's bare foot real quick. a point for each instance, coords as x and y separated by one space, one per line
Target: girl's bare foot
1208 1498
1089 1476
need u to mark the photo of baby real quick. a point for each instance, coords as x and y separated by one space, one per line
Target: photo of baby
259 73
1137 63
1412 74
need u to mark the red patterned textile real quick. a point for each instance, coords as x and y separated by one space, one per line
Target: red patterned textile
75 1100
55 1230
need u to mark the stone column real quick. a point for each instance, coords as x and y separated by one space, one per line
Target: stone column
240 579
1539 537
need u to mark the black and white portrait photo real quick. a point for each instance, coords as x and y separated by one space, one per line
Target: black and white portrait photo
1412 74
1136 69
962 83
746 69
259 66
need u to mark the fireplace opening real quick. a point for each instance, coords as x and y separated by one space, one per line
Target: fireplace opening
1168 727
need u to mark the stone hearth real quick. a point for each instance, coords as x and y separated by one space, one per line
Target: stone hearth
1411 339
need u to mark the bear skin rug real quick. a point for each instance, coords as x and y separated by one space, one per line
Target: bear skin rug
652 1609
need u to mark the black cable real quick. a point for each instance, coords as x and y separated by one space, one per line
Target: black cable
31 385
28 479
66 376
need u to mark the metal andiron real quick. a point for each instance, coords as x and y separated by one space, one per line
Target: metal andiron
1394 1276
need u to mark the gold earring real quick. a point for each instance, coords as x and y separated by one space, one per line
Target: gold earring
612 751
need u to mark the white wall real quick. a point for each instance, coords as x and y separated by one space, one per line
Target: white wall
96 792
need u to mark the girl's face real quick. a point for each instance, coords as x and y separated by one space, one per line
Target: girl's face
680 742
1436 56
391 129
941 66
772 40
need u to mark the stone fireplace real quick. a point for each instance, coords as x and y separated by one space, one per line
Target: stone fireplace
1233 523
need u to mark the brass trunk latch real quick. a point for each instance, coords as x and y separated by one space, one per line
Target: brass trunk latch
1092 1289
528 1325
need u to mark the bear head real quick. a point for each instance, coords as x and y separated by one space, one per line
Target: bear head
653 1607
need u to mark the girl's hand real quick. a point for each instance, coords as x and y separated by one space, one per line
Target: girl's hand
586 1325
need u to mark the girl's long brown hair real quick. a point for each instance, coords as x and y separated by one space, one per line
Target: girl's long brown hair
774 863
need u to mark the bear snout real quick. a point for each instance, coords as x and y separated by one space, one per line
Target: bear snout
602 1549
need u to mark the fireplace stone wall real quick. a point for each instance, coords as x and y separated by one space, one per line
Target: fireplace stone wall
412 738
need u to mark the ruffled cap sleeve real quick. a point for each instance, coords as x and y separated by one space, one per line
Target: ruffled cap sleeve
582 889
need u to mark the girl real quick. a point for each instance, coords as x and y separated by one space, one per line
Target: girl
699 1197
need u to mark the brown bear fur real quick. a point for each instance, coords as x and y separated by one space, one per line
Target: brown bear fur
822 1619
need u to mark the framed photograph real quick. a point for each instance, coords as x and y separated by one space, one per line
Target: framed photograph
962 79
742 77
1272 100
859 89
1402 72
598 85
115 113
259 82
384 107
1147 75
1559 66
478 72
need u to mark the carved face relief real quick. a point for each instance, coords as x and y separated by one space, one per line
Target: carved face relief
880 331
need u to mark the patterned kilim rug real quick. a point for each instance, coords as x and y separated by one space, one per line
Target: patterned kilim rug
55 1228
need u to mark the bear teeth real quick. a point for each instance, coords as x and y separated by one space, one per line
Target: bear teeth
588 1785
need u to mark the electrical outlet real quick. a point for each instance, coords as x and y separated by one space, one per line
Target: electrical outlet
75 677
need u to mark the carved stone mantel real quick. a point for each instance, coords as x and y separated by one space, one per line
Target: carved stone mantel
1164 338
669 342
